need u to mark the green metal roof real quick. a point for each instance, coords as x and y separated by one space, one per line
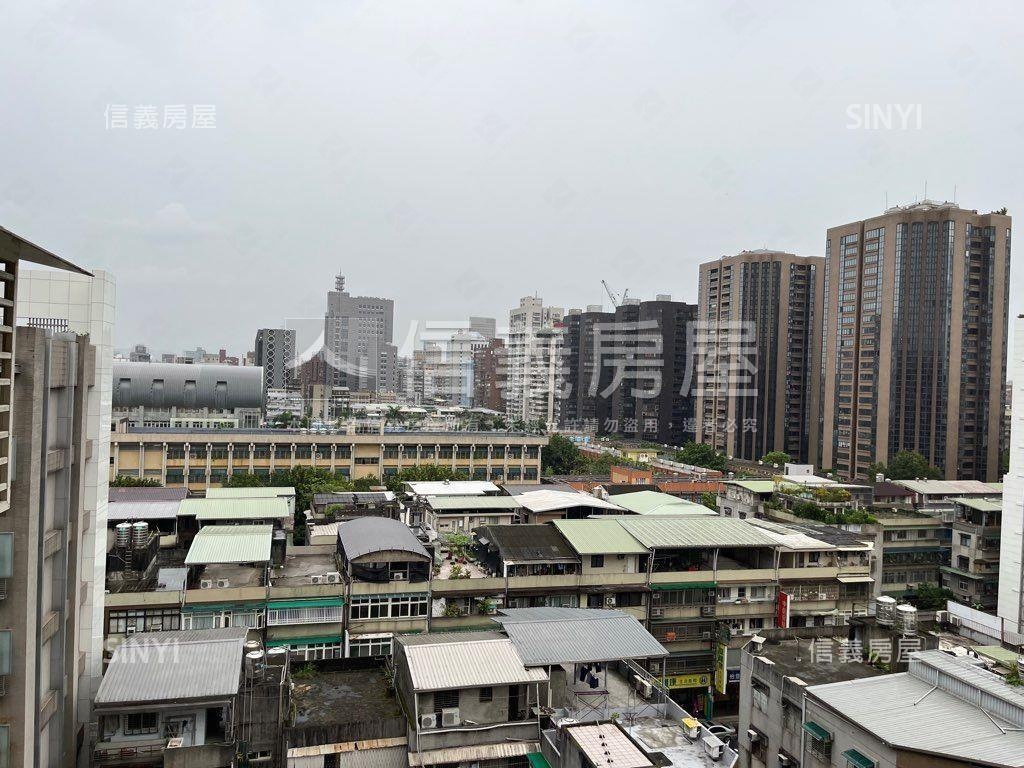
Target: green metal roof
537 760
696 532
858 760
261 508
817 731
230 544
260 492
599 537
981 505
470 503
285 641
757 486
656 503
998 654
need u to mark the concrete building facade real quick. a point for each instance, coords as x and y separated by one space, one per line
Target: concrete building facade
914 339
534 350
275 353
358 336
1010 602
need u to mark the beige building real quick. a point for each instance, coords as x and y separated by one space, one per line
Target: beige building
202 459
770 303
914 348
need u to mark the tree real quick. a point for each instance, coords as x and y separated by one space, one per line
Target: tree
127 481
930 597
909 465
701 455
425 472
560 455
776 457
709 500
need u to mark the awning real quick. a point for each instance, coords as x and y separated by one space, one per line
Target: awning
537 760
855 579
856 759
327 602
472 754
287 642
817 731
684 585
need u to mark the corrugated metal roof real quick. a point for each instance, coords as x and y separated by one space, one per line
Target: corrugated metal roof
163 385
522 543
549 501
918 716
326 529
755 486
445 503
657 503
259 492
474 753
382 757
453 487
467 663
174 666
696 532
375 534
606 746
946 487
230 544
142 510
353 497
577 635
599 537
146 493
980 504
263 508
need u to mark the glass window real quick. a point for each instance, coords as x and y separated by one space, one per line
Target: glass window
6 555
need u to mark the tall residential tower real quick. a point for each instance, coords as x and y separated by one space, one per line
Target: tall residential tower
767 306
914 339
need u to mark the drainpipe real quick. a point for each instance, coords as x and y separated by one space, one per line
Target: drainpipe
43 439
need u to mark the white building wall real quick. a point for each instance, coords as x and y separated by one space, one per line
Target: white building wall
88 304
1011 549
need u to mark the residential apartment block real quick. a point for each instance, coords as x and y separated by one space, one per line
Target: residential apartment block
275 354
533 362
764 306
358 341
1011 548
914 339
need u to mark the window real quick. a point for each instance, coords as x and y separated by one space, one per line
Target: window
6 555
370 646
143 620
756 623
965 540
6 640
597 561
486 694
388 606
446 700
140 722
319 651
308 615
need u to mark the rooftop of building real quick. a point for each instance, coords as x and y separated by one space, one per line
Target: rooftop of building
145 494
951 487
340 437
337 697
456 660
377 534
463 503
183 666
213 509
439 488
814 535
813 660
888 488
646 502
548 500
221 544
943 705
353 497
123 511
527 543
697 532
297 570
980 504
258 492
599 537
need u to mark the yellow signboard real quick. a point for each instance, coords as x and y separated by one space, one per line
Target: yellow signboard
698 680
721 676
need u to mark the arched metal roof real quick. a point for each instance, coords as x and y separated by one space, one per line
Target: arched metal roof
163 385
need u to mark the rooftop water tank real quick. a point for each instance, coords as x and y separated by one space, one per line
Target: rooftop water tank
906 619
885 611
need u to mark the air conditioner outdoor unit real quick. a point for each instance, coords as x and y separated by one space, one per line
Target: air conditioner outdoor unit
784 761
223 583
206 584
942 617
609 600
450 717
176 743
130 629
753 736
713 746
644 688
316 579
657 612
332 578
428 721
705 635
707 610
398 576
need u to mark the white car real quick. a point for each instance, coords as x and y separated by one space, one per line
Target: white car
723 732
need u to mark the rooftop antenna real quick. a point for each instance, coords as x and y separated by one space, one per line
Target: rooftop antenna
926 189
954 193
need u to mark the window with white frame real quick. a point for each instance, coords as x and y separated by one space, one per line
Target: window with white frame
319 614
388 606
376 645
319 651
221 619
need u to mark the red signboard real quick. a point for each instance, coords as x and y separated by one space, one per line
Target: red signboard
782 611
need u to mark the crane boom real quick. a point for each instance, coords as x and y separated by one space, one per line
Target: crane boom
611 294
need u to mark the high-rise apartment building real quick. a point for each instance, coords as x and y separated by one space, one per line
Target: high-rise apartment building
275 353
533 362
53 503
358 335
914 339
758 341
485 326
489 376
626 372
1011 539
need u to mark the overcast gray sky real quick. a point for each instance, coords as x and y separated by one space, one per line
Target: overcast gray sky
458 155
